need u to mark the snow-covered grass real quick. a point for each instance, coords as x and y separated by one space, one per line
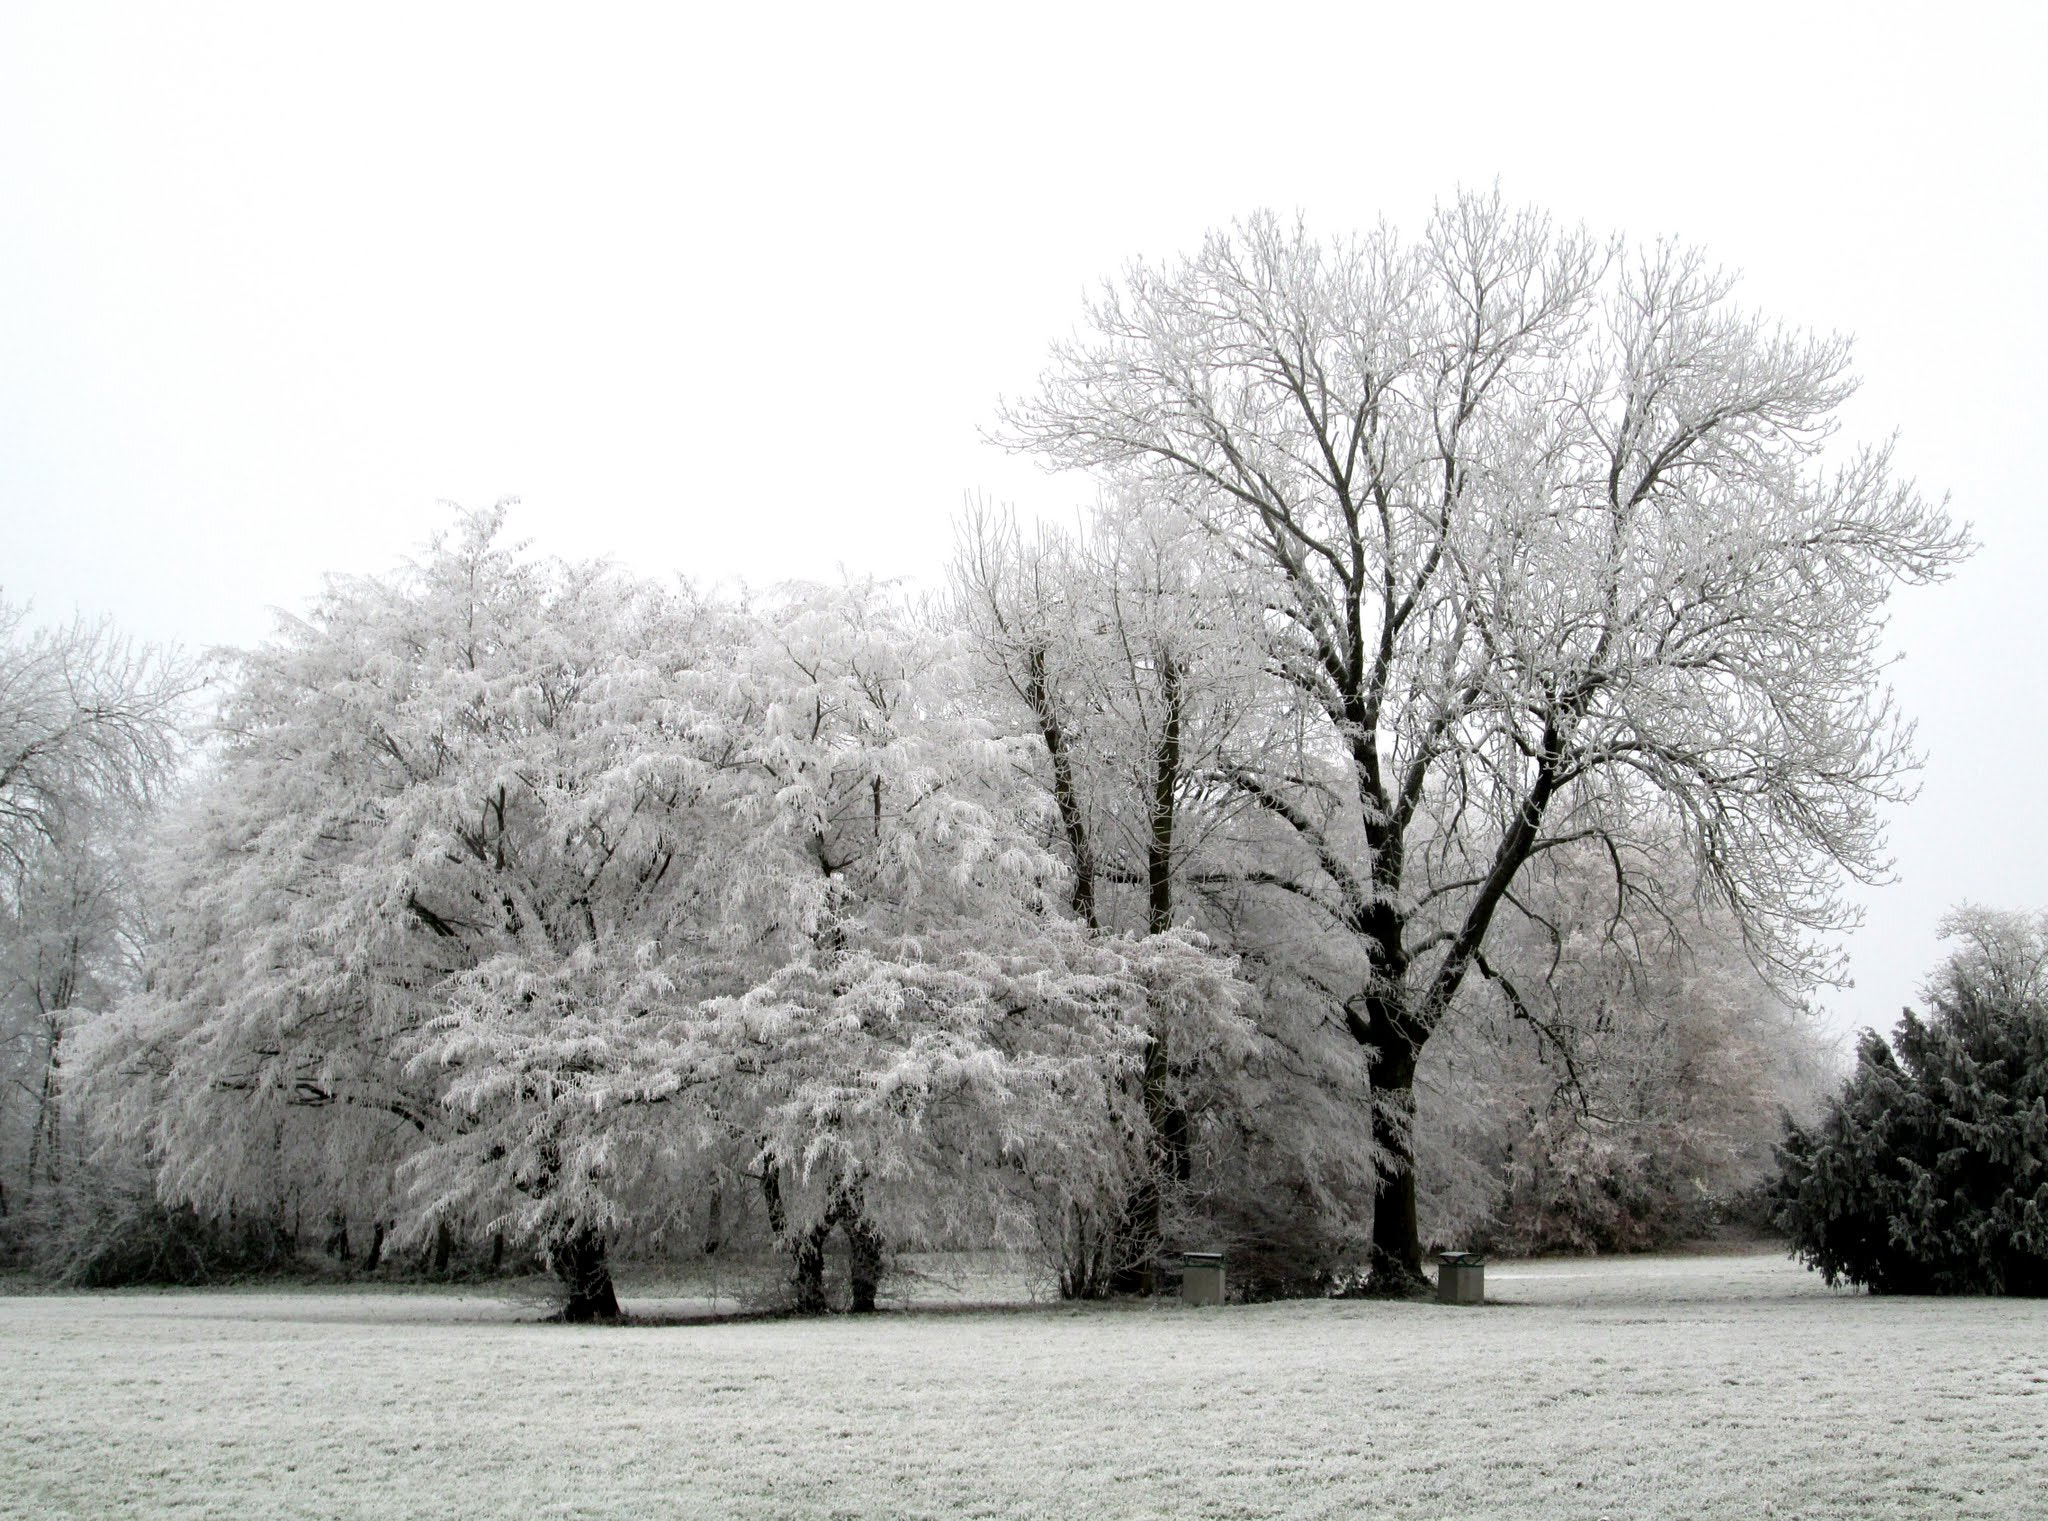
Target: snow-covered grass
1721 1386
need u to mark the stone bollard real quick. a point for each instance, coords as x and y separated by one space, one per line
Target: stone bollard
1461 1279
1201 1278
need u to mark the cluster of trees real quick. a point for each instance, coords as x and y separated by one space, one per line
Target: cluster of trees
538 901
1467 684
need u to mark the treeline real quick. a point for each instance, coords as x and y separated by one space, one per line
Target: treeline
526 911
1468 689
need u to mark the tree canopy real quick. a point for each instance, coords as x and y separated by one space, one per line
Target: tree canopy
1550 550
539 900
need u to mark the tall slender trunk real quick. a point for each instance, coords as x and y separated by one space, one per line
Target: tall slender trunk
714 1221
44 1158
337 1237
1162 1166
1066 796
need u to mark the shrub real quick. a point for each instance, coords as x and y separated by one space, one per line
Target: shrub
105 1228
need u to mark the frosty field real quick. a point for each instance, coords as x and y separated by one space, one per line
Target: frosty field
1708 1386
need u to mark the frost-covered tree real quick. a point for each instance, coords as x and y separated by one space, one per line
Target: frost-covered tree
1549 550
1632 1101
527 899
1117 654
90 735
67 948
469 782
938 1054
89 721
1928 1172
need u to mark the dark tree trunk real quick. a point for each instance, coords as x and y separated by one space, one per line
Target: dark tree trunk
579 1262
864 1260
1395 1270
1085 1274
1180 1154
497 1253
806 1252
1398 1022
807 1271
376 1253
444 1245
1145 1238
337 1237
714 1221
1066 797
43 1139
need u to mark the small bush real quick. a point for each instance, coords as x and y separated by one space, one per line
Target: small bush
104 1230
1283 1244
1580 1186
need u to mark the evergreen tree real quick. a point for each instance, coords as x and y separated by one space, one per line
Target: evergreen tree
1929 1173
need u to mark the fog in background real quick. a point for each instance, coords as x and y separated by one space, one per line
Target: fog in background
733 295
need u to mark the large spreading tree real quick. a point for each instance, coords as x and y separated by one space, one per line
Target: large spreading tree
1551 554
532 900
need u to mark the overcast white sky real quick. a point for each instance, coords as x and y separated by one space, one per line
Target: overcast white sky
730 290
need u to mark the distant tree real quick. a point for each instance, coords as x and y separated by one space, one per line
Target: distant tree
1928 1172
1633 1102
89 720
90 736
1548 553
67 949
1118 660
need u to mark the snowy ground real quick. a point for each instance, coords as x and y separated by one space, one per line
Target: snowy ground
1672 1387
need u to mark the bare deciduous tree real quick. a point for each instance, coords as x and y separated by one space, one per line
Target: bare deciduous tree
1549 552
89 736
88 718
1118 651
